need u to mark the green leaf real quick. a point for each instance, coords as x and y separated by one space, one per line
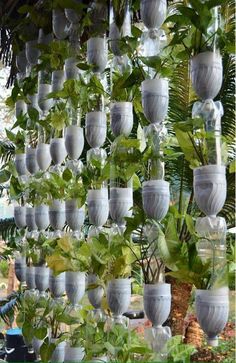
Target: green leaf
67 174
84 66
171 230
59 119
58 263
178 19
179 351
97 85
173 341
129 143
220 279
136 182
153 62
186 145
85 250
10 103
190 224
169 247
33 114
110 348
212 3
135 78
65 244
4 176
230 48
232 166
11 136
183 55
119 7
28 331
15 188
136 32
22 122
40 333
189 277
46 350
25 9
57 180
134 222
188 13
139 350
106 171
12 168
15 92
196 5
68 320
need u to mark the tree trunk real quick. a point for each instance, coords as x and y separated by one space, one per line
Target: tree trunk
194 334
12 280
181 293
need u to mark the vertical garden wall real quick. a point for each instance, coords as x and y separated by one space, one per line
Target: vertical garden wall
120 166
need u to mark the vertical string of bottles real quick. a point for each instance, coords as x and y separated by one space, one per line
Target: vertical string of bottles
210 191
96 125
155 190
121 116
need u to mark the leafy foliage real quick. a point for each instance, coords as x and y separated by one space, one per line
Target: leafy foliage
183 260
112 255
178 351
193 27
8 308
67 254
109 257
53 55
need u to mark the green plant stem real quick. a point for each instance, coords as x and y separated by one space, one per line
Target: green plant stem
212 277
162 65
203 153
186 48
149 260
180 207
133 96
140 68
198 152
209 39
225 78
158 270
182 235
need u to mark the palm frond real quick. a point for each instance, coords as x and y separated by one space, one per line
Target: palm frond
177 171
7 228
226 96
179 92
181 99
228 16
7 151
228 211
8 308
